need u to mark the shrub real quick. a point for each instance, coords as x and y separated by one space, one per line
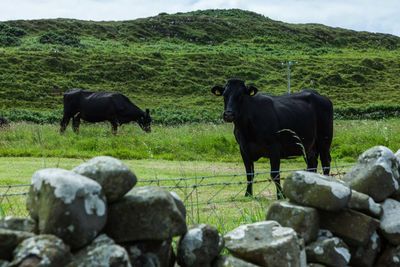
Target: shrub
60 38
10 36
6 40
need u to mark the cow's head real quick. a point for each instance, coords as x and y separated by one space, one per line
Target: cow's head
144 121
233 92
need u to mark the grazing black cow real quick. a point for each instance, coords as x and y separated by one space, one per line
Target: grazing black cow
96 107
278 127
3 122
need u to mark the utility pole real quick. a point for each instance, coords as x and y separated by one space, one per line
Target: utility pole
288 64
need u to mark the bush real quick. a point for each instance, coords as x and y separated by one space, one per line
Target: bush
11 31
60 38
10 36
6 40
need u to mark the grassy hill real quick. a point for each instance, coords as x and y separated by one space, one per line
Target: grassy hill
170 62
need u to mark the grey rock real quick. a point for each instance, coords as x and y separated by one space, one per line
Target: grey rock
114 176
4 263
9 240
199 246
390 221
365 204
330 251
145 213
304 220
151 253
396 194
41 250
389 258
365 256
376 173
67 205
102 252
18 224
230 261
315 190
313 264
179 203
266 244
353 227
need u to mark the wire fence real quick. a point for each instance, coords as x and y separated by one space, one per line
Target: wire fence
215 199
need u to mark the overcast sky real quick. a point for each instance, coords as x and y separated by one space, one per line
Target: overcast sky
367 15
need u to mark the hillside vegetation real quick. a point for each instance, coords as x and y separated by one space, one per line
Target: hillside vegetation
169 63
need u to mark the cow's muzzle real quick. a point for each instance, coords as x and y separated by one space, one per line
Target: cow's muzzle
228 116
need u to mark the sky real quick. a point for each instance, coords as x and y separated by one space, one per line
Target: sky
362 15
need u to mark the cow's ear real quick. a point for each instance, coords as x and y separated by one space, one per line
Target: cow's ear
147 111
217 90
252 90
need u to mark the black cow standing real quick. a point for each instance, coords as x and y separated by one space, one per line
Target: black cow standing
278 127
101 106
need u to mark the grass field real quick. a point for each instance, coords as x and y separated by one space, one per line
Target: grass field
213 192
191 152
188 142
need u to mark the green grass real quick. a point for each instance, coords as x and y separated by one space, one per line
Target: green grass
222 203
189 142
169 63
186 151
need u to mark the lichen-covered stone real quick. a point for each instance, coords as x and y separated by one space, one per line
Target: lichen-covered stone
18 224
9 240
315 190
145 213
199 246
151 253
102 252
328 250
304 220
353 227
266 244
44 250
365 256
4 263
67 205
365 204
389 258
179 203
390 221
376 173
114 176
230 261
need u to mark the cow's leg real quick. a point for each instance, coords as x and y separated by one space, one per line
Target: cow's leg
64 123
312 161
76 121
325 157
275 162
114 127
324 145
249 165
